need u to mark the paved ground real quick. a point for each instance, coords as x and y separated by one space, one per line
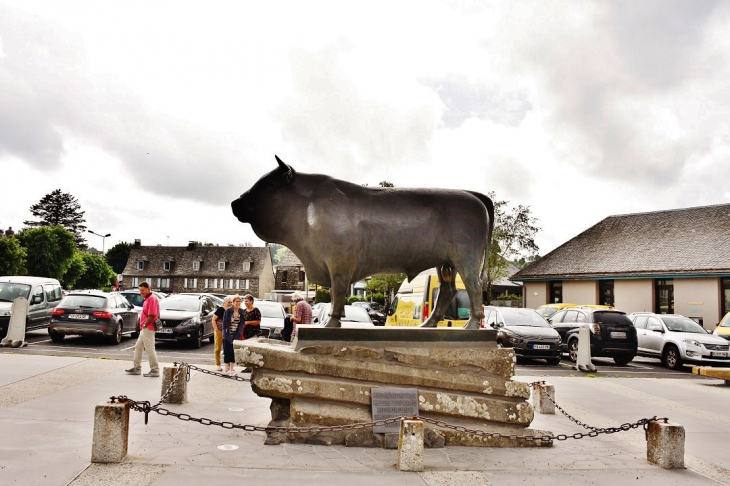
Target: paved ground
46 421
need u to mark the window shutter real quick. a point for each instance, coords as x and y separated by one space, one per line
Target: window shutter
247 284
195 283
206 283
215 283
185 283
238 284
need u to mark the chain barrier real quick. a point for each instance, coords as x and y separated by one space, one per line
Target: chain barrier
146 408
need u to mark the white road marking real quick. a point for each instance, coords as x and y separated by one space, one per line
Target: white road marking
38 342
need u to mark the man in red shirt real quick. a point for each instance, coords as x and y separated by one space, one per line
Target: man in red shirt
302 312
146 340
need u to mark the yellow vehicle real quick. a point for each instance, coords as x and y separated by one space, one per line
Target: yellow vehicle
723 329
547 310
415 300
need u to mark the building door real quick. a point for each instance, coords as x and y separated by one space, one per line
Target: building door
725 284
605 292
556 292
664 291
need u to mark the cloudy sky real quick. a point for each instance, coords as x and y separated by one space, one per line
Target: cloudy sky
155 115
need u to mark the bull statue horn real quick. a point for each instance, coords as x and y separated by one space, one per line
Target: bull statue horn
288 171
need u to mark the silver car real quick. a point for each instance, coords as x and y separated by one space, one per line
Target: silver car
272 318
355 317
676 339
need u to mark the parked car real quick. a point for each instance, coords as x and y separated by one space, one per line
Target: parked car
524 330
43 294
377 316
317 307
612 333
135 298
355 317
723 328
548 310
94 313
187 318
676 339
272 318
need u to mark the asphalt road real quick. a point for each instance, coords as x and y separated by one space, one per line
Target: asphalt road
39 342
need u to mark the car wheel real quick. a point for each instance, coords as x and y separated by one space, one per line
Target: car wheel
198 341
135 334
116 338
573 349
56 337
672 359
622 360
553 361
499 344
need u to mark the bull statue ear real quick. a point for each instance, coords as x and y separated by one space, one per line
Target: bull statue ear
288 171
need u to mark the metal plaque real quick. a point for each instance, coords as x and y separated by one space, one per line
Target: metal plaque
392 402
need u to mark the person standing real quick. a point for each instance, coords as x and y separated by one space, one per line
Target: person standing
252 322
302 312
232 330
146 339
218 330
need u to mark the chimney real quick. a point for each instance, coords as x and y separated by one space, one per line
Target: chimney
137 243
192 245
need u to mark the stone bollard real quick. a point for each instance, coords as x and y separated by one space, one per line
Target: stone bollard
540 398
665 445
410 446
111 432
583 363
179 392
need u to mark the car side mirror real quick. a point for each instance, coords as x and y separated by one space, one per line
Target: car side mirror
316 319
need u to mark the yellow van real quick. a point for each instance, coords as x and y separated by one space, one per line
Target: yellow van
415 300
547 310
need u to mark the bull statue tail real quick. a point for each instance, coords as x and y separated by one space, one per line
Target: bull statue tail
490 211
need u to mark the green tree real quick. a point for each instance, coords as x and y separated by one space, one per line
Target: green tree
12 256
76 269
513 237
49 250
118 255
97 273
386 184
279 255
386 284
60 208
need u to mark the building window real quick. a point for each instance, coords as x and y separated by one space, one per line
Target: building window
725 285
664 292
135 281
166 265
556 292
243 284
140 265
246 266
301 275
164 283
605 292
229 284
196 265
284 276
215 283
191 283
221 265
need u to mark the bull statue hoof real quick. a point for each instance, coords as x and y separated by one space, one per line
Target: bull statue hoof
429 323
333 322
473 323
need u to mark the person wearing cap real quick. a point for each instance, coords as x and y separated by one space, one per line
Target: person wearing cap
302 312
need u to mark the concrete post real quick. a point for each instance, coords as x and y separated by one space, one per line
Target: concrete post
111 432
583 363
665 445
540 398
179 393
410 446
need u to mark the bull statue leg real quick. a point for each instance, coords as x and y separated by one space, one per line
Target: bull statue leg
473 282
338 291
447 291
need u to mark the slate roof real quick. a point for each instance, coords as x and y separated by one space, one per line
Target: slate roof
289 259
182 259
690 241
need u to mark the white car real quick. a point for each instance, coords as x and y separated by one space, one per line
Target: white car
676 339
355 317
272 318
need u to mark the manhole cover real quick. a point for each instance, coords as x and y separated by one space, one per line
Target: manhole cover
228 447
235 409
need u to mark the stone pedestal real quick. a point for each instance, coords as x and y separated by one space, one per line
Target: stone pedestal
540 399
410 446
665 445
179 392
325 377
111 432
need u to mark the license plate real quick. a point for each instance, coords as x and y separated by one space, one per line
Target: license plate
618 334
165 331
78 316
719 354
540 346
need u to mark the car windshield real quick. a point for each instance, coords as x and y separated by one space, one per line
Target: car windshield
84 301
270 310
546 312
522 317
134 298
352 314
726 321
182 303
11 291
683 324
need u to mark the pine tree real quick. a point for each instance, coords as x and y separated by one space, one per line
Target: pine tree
60 208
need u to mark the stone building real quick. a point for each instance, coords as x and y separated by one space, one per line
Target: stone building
290 272
196 268
675 261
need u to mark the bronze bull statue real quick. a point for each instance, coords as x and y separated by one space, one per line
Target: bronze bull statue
344 232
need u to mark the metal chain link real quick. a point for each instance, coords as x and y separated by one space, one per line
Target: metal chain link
146 408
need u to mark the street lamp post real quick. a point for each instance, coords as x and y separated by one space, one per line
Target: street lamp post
103 240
